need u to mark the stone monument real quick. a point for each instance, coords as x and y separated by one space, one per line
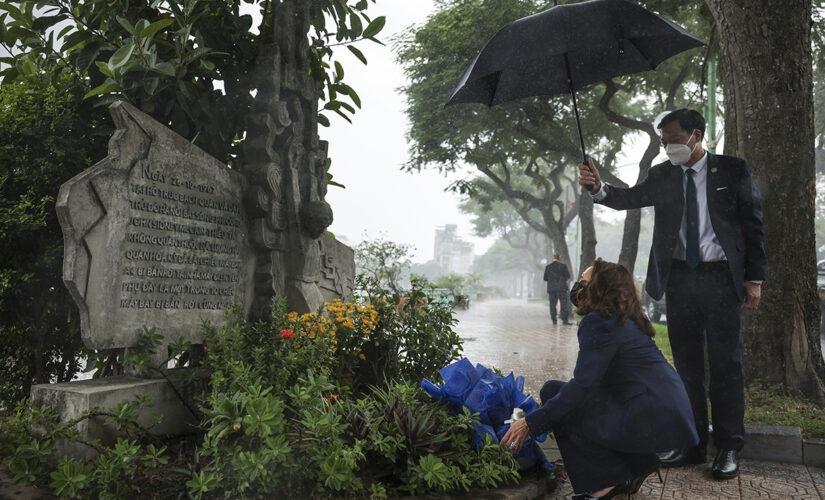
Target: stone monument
157 235
285 162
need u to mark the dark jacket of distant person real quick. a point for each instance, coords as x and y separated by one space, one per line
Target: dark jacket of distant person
556 276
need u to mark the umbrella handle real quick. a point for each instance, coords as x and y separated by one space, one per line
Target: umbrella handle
579 126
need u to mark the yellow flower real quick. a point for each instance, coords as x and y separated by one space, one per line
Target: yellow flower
362 356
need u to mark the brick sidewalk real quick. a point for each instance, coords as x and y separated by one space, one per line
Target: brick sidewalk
757 480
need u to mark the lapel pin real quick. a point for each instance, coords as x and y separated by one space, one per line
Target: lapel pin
713 170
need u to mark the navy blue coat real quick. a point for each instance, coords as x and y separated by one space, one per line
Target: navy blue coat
735 214
623 394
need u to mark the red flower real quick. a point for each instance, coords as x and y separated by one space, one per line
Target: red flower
287 334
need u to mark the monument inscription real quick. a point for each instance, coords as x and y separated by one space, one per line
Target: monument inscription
164 267
155 235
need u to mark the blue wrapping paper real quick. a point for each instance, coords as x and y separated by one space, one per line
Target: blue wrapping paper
493 397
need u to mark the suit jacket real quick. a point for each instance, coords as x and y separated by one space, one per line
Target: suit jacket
623 394
735 214
556 276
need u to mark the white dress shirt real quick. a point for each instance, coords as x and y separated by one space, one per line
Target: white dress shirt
709 248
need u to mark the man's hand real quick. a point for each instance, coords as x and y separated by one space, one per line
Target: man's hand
516 435
589 177
753 291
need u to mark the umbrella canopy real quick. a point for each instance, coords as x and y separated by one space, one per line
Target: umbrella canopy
568 47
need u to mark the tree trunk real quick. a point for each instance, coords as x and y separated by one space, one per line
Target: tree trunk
766 51
630 239
588 249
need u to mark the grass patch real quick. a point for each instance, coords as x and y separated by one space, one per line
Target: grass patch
767 405
663 341
778 405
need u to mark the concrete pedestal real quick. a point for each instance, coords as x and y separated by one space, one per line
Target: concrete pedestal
71 399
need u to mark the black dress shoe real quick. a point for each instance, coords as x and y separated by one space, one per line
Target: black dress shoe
726 464
681 458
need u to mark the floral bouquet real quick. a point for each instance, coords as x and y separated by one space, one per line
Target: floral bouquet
494 398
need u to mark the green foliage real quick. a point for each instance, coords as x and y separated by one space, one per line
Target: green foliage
288 413
133 463
171 59
384 261
458 283
414 337
47 135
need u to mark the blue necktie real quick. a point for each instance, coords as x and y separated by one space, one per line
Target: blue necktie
692 215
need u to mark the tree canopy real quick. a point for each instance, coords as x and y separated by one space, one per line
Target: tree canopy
192 65
535 136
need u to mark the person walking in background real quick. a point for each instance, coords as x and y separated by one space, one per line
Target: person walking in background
556 276
624 403
708 258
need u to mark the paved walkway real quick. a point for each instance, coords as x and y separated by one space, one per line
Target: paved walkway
518 336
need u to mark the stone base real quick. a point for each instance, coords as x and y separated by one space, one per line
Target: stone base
777 443
71 399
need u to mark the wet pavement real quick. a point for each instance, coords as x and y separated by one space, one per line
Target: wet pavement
518 336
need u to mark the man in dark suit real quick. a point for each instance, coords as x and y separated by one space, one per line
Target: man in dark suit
708 259
556 276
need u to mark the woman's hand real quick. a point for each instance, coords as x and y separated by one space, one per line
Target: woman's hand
516 435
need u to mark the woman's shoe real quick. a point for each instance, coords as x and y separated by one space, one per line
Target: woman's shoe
636 483
620 489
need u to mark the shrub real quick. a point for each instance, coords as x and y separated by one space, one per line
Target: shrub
290 411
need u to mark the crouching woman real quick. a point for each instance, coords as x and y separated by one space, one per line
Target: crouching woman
624 403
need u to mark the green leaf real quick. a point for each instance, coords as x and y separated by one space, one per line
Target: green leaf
357 27
339 71
150 84
28 68
342 115
156 26
64 31
121 56
104 68
126 25
43 23
323 120
74 40
165 68
375 27
357 53
106 88
199 52
87 56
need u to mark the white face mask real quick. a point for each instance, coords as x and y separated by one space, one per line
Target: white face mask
679 154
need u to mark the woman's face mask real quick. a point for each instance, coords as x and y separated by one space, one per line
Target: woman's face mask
679 154
574 292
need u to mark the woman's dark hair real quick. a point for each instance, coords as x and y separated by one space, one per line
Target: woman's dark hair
611 291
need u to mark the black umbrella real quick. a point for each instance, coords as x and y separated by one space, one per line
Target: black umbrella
567 47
